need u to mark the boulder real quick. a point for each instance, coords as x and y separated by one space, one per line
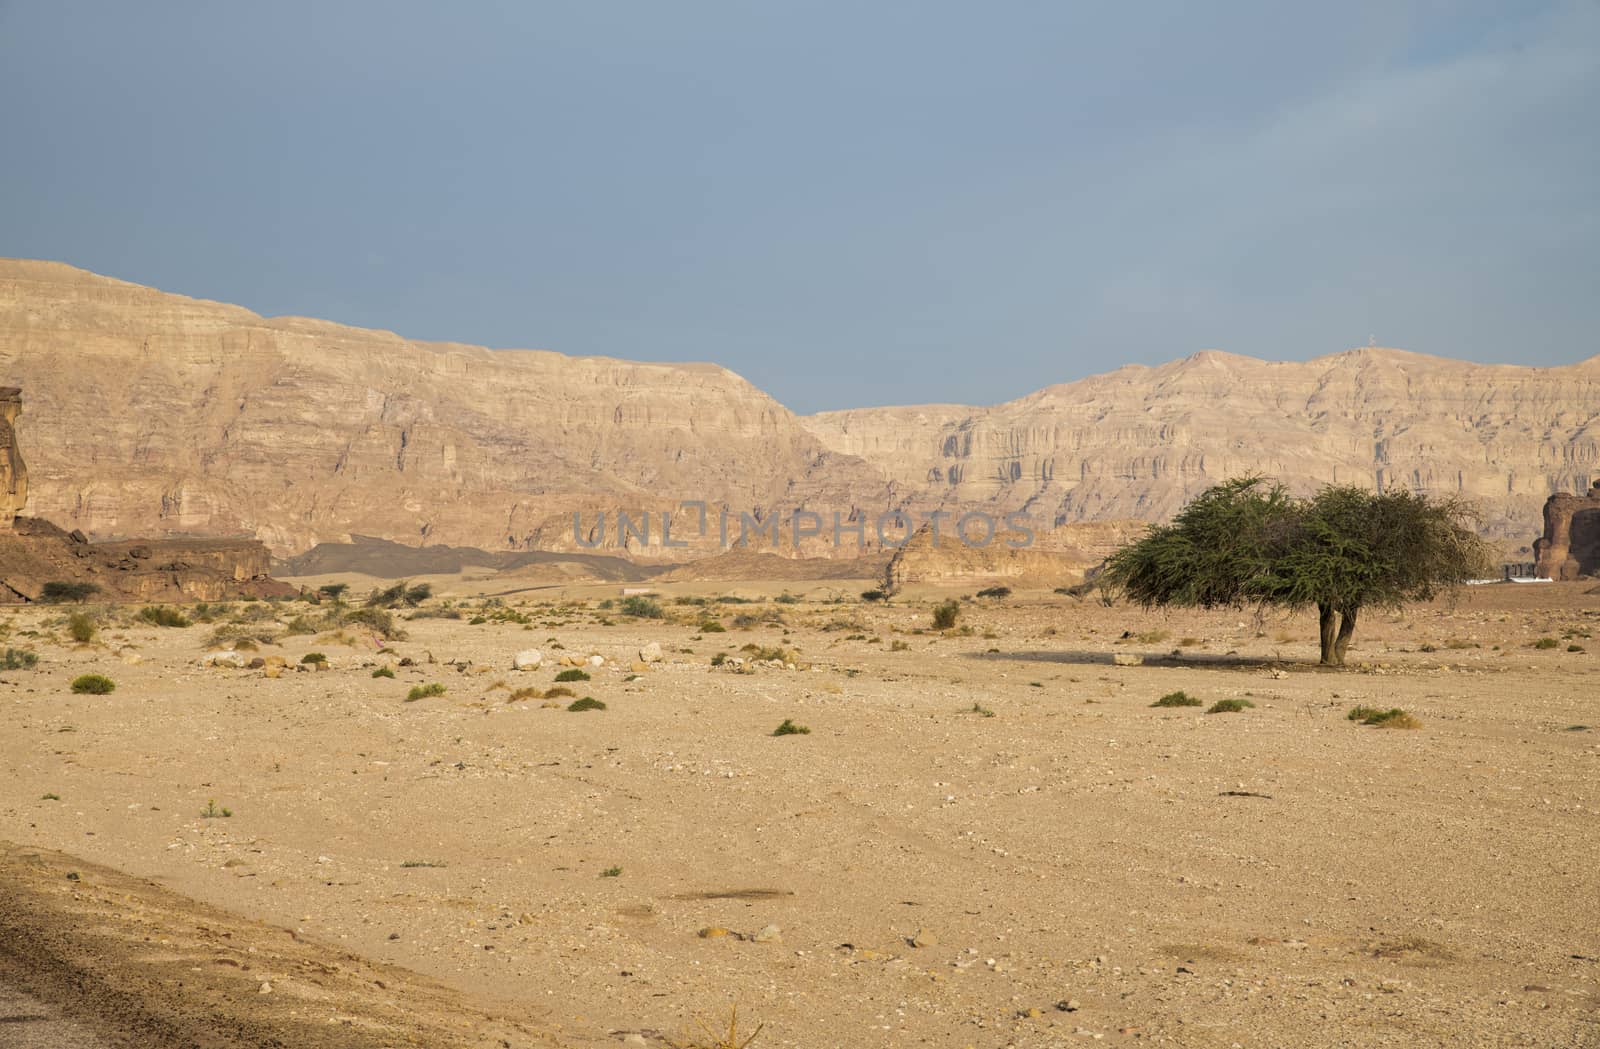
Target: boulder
527 659
650 653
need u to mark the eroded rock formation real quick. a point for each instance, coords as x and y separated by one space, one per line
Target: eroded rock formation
34 552
1570 546
13 472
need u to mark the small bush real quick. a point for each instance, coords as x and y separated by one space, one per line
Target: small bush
874 595
1391 718
58 592
1177 699
945 615
1575 648
572 674
787 598
898 645
93 685
981 710
719 659
995 591
379 620
640 608
789 728
711 626
611 872
424 692
333 591
299 626
161 615
384 672
312 658
81 627
1230 706
1546 642
402 593
557 692
211 812
586 703
18 659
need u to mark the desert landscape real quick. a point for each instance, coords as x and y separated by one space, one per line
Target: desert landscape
990 835
799 526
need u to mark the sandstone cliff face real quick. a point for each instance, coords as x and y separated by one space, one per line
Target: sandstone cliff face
1139 442
154 414
159 415
1059 556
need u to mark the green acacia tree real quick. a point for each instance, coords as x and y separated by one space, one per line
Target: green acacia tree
1247 542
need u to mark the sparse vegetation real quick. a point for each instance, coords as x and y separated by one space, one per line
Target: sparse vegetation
1394 717
384 672
572 674
874 595
640 608
81 627
162 615
981 710
425 692
212 812
719 659
1230 706
995 591
1177 699
611 872
711 1038
416 864
1545 643
586 703
946 614
93 685
789 728
18 659
55 593
313 658
402 593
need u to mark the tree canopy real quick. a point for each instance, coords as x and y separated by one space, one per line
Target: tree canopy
1248 542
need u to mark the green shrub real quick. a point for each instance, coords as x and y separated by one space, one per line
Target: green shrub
313 658
572 674
402 593
18 659
945 615
787 598
640 608
211 812
719 659
162 615
1394 717
1230 706
1575 648
93 685
81 627
424 692
711 626
1176 699
586 703
995 591
299 626
378 620
333 591
789 728
1546 642
58 592
384 672
874 595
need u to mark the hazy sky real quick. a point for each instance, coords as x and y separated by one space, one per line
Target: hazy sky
847 203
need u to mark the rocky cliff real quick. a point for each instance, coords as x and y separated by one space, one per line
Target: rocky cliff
1139 442
158 415
155 414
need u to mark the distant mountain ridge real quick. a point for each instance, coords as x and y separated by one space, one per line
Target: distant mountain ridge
148 413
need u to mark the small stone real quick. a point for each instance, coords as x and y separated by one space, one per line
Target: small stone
1031 1014
924 938
265 988
711 932
640 668
768 934
634 1039
650 653
1069 1006
1124 659
527 659
597 661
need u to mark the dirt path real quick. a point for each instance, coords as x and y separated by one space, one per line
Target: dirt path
91 958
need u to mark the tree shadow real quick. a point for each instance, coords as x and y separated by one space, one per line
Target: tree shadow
1196 661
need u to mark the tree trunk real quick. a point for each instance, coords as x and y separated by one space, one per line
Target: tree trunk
1347 627
1329 622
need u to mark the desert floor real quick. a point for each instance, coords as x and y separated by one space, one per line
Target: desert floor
987 838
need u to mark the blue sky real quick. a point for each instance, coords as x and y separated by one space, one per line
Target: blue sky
849 204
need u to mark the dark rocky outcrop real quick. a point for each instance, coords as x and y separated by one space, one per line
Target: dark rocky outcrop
1570 546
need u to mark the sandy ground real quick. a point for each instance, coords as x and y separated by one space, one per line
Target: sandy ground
1077 867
